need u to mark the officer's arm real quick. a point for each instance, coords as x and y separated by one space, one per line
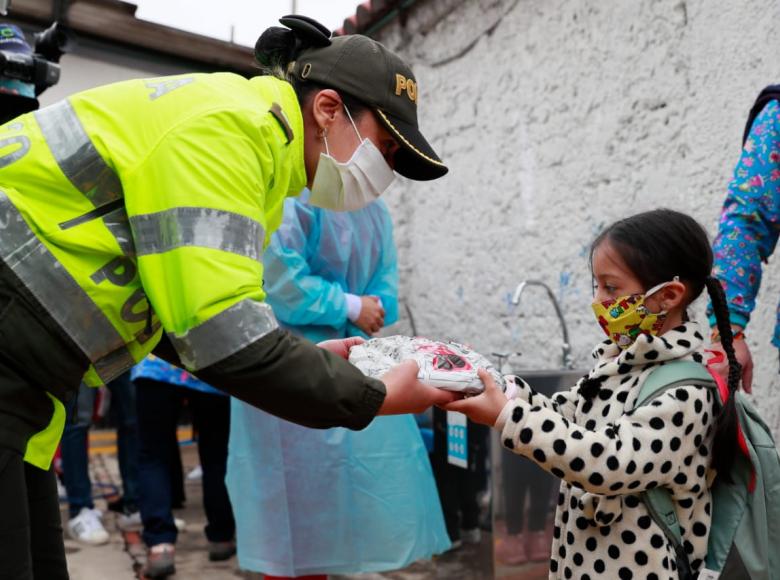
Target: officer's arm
294 379
276 374
195 205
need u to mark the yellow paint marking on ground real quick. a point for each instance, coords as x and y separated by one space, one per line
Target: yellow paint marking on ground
108 435
106 450
104 442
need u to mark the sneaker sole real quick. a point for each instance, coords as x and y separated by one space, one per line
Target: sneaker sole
75 538
221 557
161 573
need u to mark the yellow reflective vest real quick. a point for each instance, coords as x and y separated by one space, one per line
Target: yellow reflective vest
141 207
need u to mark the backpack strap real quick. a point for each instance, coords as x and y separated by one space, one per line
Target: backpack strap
678 373
658 500
770 93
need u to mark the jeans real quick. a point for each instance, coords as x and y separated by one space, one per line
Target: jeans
159 405
75 460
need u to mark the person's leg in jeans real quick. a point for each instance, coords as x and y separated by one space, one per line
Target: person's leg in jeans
212 414
123 409
178 497
75 458
158 406
31 546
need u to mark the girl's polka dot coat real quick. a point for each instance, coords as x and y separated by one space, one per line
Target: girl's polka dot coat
606 452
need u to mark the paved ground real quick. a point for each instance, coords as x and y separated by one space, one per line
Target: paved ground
123 557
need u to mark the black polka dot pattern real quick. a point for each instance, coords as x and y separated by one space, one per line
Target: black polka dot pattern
607 452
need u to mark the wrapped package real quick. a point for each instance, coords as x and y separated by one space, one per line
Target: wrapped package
446 365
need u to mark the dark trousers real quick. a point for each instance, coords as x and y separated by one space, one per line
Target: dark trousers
34 354
75 460
159 405
30 527
458 487
527 492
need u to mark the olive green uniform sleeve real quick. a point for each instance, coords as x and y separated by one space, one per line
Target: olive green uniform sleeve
294 379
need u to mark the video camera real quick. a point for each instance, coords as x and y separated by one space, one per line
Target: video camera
40 68
28 71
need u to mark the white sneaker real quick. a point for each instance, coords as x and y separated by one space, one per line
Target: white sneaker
61 491
87 528
473 536
132 522
196 474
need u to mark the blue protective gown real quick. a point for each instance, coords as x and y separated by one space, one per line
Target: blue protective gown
330 501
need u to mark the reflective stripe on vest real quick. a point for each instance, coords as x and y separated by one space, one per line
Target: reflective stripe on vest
76 155
224 334
81 163
167 230
62 297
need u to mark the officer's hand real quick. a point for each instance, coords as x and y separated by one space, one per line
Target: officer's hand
744 358
341 347
405 394
485 407
372 315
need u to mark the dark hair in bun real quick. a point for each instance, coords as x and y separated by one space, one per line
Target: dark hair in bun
277 47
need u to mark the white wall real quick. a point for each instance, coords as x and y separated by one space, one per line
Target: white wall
557 117
89 66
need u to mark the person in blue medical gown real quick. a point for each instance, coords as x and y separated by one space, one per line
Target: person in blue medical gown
310 502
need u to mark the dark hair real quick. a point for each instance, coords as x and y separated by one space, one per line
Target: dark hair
277 48
659 245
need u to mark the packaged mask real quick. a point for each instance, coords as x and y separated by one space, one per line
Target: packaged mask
446 365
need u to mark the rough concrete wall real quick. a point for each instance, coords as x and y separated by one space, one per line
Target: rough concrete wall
557 117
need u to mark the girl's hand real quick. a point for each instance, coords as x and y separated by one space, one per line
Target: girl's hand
341 347
484 408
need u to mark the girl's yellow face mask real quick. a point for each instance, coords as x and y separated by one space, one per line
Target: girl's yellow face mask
625 318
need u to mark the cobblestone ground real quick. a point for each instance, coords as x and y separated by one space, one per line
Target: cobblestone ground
124 556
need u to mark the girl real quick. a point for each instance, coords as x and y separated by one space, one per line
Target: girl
647 270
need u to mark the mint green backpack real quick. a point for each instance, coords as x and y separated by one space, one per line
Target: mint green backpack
744 541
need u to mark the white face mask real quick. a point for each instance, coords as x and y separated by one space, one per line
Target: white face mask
352 185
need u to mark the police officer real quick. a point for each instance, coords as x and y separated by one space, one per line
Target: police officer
133 219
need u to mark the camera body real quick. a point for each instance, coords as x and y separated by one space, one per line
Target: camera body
24 72
40 68
29 69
